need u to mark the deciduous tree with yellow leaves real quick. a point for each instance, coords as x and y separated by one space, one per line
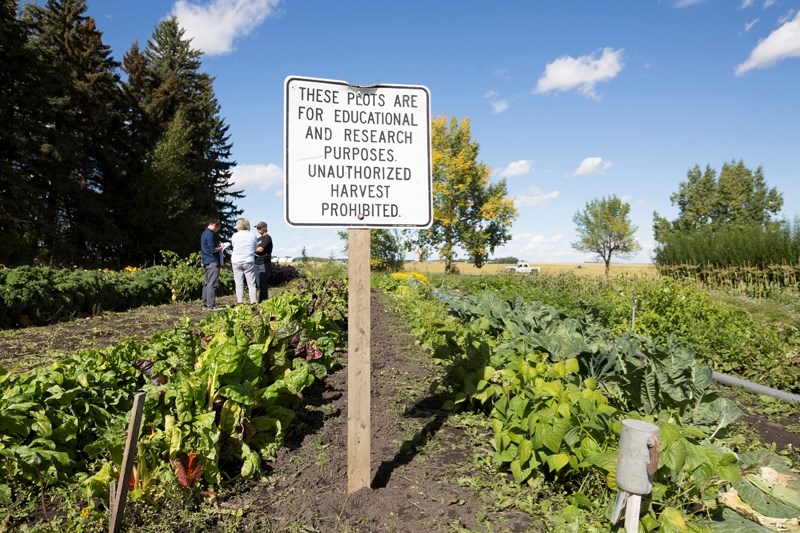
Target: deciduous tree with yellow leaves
469 211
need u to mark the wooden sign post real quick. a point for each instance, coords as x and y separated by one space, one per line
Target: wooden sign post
358 361
357 157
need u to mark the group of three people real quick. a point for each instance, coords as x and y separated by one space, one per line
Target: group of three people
251 261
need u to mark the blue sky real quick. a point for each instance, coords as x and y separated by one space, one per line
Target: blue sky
569 100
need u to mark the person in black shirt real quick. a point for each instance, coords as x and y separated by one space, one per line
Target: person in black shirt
263 260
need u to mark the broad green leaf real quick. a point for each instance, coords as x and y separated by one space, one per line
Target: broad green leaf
763 502
524 451
672 521
673 456
558 461
41 424
607 460
241 393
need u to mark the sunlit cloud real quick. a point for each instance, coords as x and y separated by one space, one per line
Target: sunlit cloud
516 168
592 165
497 104
256 177
215 26
782 43
535 196
582 73
749 25
535 247
786 16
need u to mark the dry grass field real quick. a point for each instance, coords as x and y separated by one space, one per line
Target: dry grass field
583 269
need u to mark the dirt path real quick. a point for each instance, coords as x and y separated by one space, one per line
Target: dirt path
417 452
425 476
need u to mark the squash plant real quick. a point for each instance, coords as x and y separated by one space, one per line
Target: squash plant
556 389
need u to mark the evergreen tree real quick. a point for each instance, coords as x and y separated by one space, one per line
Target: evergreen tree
739 197
21 103
82 121
166 88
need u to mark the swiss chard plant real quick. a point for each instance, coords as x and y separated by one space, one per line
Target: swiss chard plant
220 397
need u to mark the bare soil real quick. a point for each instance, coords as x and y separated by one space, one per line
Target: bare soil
426 475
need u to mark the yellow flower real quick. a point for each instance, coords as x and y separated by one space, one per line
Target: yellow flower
420 276
85 512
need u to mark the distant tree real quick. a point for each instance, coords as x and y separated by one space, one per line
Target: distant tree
387 251
506 260
604 229
739 196
468 211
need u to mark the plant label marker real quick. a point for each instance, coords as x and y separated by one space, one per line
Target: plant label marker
120 493
358 361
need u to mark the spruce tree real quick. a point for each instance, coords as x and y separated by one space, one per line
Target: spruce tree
169 88
21 103
82 128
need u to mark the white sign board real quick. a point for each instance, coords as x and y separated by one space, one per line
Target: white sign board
357 156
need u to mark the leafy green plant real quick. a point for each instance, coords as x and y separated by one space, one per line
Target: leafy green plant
219 399
557 389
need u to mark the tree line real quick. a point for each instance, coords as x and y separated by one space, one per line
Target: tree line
724 220
104 163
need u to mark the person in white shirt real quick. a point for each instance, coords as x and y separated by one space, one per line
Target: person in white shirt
243 244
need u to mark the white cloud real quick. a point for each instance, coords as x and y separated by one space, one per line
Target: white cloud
534 247
261 177
535 197
213 27
592 165
501 73
516 168
747 3
768 3
789 14
582 74
498 104
749 25
687 3
782 43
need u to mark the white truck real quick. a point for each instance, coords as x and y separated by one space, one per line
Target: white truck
522 268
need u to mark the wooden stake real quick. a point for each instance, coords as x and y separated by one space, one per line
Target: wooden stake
358 361
121 492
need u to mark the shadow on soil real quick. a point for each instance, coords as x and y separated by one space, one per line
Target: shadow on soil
424 408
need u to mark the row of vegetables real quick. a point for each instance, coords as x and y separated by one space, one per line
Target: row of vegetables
556 389
219 399
41 295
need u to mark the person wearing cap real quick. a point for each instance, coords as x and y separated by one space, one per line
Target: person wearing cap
263 260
